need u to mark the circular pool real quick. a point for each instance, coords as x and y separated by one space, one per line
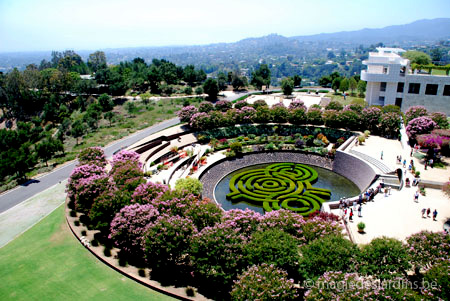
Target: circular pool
308 187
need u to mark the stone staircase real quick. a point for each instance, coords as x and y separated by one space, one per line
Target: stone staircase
380 165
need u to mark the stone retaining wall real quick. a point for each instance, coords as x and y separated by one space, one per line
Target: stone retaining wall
354 169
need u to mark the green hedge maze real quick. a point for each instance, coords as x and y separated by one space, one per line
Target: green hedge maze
279 185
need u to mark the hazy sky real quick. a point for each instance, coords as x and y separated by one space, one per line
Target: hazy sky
27 25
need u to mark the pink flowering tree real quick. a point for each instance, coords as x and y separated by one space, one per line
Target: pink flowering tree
440 119
247 221
371 118
79 178
186 113
297 104
414 112
126 170
205 106
264 282
167 240
240 104
92 155
146 192
246 115
427 248
431 141
390 124
129 226
223 105
200 121
318 227
286 220
88 190
420 125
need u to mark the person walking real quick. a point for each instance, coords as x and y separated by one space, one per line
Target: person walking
423 212
428 212
359 211
416 196
389 190
351 214
381 155
435 214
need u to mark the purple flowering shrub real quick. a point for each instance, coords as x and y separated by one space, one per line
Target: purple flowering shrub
223 105
204 214
126 157
245 115
129 225
264 282
186 113
200 121
297 116
427 248
440 119
439 275
92 156
286 220
297 104
420 125
205 106
80 173
314 115
371 118
414 112
87 190
167 240
318 227
240 104
431 140
247 221
126 170
390 123
146 192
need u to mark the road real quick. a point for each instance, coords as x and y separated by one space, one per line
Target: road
19 194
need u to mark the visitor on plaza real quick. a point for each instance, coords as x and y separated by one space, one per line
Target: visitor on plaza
423 212
435 214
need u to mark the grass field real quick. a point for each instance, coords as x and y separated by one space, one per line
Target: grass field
48 263
348 99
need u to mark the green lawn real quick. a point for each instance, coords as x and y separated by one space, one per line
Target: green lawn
348 100
48 263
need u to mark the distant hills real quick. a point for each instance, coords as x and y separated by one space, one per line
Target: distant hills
250 51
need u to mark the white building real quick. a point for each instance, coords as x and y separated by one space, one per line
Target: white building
390 81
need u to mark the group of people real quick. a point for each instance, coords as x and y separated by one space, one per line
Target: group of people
428 211
349 207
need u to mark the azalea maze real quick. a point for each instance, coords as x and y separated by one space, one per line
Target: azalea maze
279 185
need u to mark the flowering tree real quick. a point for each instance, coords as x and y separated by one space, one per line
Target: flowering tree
318 227
223 105
88 189
129 225
440 119
146 192
246 115
350 119
414 112
78 178
246 221
167 240
240 104
390 123
264 282
204 213
431 140
186 113
286 220
297 116
200 121
371 118
314 115
297 104
420 125
125 157
279 113
93 156
205 106
427 248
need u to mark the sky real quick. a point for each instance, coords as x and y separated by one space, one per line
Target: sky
44 25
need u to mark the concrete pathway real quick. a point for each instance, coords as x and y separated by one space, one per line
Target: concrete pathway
23 216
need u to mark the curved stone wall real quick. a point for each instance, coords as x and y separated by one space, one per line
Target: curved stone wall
354 169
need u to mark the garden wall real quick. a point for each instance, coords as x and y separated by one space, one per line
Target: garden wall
354 169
